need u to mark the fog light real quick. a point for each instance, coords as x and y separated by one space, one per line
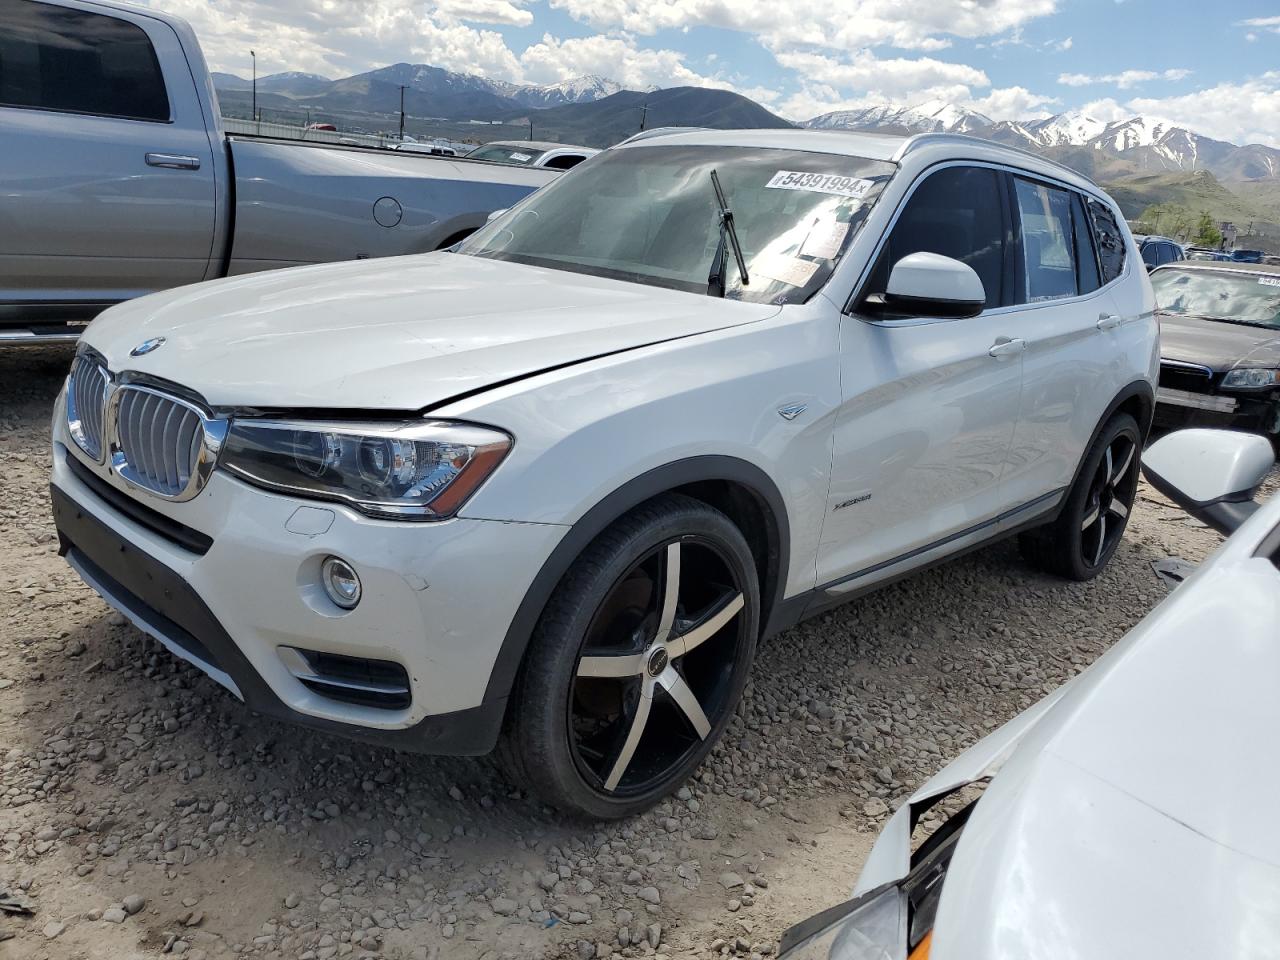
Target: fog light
340 582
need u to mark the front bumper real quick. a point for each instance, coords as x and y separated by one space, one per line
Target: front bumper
1185 408
438 598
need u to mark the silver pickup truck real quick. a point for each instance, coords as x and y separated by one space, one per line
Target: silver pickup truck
116 178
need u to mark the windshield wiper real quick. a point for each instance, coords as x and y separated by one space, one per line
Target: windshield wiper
716 278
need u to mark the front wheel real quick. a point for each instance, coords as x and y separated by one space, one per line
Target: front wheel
1081 541
638 662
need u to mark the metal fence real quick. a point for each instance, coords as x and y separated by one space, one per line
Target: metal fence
290 131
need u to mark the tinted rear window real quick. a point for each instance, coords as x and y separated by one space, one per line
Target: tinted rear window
1110 241
53 58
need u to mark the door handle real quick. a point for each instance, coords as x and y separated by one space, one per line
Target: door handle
172 161
1004 348
1109 321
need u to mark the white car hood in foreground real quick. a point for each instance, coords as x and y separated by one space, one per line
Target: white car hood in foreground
400 333
1132 812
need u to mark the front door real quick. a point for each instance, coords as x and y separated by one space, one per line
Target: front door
929 406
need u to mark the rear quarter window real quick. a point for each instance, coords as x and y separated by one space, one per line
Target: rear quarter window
1109 241
70 61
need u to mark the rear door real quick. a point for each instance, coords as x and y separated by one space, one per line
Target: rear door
929 405
108 167
1068 318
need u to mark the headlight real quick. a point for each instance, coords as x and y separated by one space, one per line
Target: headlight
873 927
1251 378
404 471
892 922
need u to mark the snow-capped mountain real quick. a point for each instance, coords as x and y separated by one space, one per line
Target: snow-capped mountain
579 90
932 116
1147 143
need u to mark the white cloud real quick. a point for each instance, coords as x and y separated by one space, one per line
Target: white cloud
616 57
1246 112
340 38
1263 23
845 25
1062 45
1013 103
1106 110
1123 80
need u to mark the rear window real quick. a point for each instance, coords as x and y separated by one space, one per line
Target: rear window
1110 241
1048 247
53 58
522 156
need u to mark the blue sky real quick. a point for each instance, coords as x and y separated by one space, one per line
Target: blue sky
1214 67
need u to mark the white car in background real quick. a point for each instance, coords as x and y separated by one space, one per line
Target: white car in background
558 484
533 153
1128 813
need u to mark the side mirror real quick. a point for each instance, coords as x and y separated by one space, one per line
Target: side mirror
1212 474
931 285
495 215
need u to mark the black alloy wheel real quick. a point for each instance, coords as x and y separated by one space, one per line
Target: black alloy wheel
1087 531
656 665
638 661
1111 496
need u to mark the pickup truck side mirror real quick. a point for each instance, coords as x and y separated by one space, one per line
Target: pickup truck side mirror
931 285
1212 474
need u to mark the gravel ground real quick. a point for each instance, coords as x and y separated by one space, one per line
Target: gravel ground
143 810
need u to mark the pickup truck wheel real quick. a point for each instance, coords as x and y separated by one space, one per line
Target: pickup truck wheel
1081 541
637 663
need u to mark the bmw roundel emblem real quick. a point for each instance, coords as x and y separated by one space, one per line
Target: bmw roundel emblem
146 346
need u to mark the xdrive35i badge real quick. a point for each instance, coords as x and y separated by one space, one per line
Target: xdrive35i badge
146 346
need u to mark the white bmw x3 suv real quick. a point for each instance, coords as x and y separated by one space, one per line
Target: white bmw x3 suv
551 489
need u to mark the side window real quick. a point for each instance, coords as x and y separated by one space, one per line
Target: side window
958 213
1087 279
54 58
1151 253
564 162
1048 250
1109 240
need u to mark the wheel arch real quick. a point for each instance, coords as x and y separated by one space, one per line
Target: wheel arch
738 488
1138 400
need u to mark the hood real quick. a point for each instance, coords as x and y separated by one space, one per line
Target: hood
1128 814
401 333
1217 344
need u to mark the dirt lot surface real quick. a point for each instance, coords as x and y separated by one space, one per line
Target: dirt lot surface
143 810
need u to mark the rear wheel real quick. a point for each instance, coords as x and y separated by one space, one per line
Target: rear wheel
1081 541
637 663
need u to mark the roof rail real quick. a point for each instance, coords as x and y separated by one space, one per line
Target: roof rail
924 139
657 132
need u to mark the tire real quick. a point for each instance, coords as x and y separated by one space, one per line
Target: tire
599 652
1073 546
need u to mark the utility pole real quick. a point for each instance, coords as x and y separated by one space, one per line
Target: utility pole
254 57
644 112
402 88
531 129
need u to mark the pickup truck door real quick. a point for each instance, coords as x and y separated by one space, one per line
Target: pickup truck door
109 174
929 406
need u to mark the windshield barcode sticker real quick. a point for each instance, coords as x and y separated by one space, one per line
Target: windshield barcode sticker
521 157
1269 281
854 187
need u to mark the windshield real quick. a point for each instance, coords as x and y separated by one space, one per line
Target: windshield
648 214
500 154
1243 297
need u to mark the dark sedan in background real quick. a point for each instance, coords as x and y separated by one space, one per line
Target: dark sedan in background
1219 346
